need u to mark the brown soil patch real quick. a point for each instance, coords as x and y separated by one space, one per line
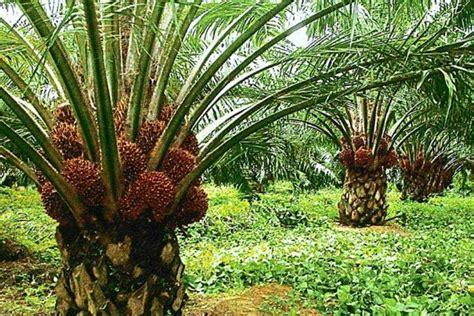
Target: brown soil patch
391 228
247 303
14 273
11 250
16 277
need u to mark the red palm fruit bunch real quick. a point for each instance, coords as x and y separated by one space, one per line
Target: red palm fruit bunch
120 116
150 194
419 161
404 163
66 139
153 191
178 163
391 159
191 144
133 160
382 148
54 205
149 134
64 134
193 208
346 156
147 195
41 179
85 177
358 141
63 114
342 141
166 113
363 157
425 169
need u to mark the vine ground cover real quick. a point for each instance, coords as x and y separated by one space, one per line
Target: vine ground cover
420 264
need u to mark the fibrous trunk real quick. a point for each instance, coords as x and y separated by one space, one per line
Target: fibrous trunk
363 200
416 189
132 272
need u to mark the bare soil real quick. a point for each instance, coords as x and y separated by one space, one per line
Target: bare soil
391 228
250 302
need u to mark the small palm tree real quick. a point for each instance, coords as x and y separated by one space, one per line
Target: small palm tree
281 152
114 147
366 131
428 164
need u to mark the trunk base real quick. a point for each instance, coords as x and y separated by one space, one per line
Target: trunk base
137 272
363 201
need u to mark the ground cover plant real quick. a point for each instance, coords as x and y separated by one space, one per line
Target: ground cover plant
421 263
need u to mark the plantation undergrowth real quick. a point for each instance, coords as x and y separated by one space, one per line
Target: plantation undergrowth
420 264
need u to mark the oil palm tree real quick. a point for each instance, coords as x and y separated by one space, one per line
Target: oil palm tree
366 131
428 163
280 152
113 150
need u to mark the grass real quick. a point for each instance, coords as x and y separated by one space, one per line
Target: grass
420 264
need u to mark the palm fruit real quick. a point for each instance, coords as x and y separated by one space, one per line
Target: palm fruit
120 115
193 208
131 207
133 160
155 190
363 157
149 133
391 159
85 177
191 144
41 179
342 141
426 167
419 161
63 114
166 113
383 145
387 138
178 163
346 156
55 206
358 141
66 139
404 163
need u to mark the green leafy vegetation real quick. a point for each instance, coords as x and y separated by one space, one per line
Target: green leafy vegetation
419 263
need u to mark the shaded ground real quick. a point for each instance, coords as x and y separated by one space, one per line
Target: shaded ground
11 250
26 286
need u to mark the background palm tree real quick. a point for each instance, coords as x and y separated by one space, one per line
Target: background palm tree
366 130
284 151
118 162
428 163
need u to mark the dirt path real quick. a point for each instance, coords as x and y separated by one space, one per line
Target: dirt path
248 303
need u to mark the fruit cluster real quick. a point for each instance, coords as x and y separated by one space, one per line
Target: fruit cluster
356 153
423 177
147 194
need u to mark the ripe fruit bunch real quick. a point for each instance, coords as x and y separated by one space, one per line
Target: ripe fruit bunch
148 195
357 154
421 166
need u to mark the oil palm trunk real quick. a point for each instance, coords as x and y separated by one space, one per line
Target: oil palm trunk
134 272
363 201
